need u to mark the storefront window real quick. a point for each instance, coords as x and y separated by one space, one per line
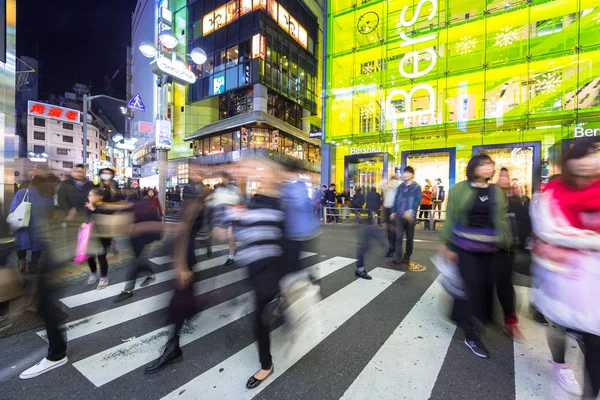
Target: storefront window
260 139
227 142
236 141
215 145
519 162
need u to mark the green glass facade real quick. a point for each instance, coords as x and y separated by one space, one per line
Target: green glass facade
464 76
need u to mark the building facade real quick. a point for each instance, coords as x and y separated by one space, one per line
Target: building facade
62 143
430 83
258 91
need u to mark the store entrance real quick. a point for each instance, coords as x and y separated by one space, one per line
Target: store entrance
523 161
435 170
365 171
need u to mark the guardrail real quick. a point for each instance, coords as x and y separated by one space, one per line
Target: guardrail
339 214
330 214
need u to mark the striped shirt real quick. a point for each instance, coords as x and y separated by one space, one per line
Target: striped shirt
260 228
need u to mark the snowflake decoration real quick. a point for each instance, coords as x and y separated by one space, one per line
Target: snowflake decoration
597 18
548 82
342 116
466 45
368 110
369 68
507 36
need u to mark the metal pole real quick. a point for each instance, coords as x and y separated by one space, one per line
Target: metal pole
162 177
85 113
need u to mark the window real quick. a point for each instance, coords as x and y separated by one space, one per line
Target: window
39 122
39 149
62 152
96 144
227 142
67 139
39 135
67 126
67 164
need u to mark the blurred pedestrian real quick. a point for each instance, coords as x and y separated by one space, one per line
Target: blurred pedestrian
358 201
331 204
154 204
144 212
374 203
404 213
182 305
475 228
520 224
30 238
225 197
566 253
389 195
72 197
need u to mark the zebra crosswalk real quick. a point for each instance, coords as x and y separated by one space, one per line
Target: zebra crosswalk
379 339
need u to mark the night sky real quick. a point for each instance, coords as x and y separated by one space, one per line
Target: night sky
75 41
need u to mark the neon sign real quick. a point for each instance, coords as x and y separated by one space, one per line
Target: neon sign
231 11
409 68
53 112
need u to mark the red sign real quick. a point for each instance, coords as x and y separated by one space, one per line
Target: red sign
145 127
54 112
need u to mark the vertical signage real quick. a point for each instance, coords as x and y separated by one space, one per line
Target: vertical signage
244 138
164 134
275 140
219 83
463 105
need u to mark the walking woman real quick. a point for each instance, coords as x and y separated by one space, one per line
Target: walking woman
39 194
566 260
475 229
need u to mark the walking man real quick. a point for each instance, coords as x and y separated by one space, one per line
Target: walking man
404 212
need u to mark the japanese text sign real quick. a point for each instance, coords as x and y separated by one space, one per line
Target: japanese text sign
44 110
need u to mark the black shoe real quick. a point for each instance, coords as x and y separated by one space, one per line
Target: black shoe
171 352
394 264
537 316
477 348
147 281
230 260
124 295
209 252
389 254
254 383
363 274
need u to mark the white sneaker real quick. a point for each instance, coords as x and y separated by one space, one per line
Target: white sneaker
566 379
93 278
42 367
103 283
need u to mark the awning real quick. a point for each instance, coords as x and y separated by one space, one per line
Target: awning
253 118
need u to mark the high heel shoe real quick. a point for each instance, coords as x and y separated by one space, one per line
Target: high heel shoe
254 382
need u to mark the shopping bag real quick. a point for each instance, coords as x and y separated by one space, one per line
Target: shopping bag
299 295
449 276
19 218
83 240
11 284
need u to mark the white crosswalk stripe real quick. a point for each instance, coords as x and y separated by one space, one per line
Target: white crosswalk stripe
423 340
222 381
108 365
407 361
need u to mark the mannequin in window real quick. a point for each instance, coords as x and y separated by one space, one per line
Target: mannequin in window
439 195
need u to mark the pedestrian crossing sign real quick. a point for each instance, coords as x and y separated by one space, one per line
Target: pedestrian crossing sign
137 103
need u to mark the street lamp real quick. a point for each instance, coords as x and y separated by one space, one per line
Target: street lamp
176 68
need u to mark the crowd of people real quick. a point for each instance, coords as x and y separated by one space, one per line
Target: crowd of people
489 232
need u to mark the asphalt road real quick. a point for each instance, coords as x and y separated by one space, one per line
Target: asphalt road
382 339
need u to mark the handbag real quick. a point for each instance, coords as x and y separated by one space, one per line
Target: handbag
20 217
11 284
83 240
112 225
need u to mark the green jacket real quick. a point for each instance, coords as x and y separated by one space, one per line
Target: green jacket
460 201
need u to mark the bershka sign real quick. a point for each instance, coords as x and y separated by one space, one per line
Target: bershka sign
590 132
177 71
365 150
409 66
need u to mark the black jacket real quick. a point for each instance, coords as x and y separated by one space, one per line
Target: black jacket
373 201
70 195
330 196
